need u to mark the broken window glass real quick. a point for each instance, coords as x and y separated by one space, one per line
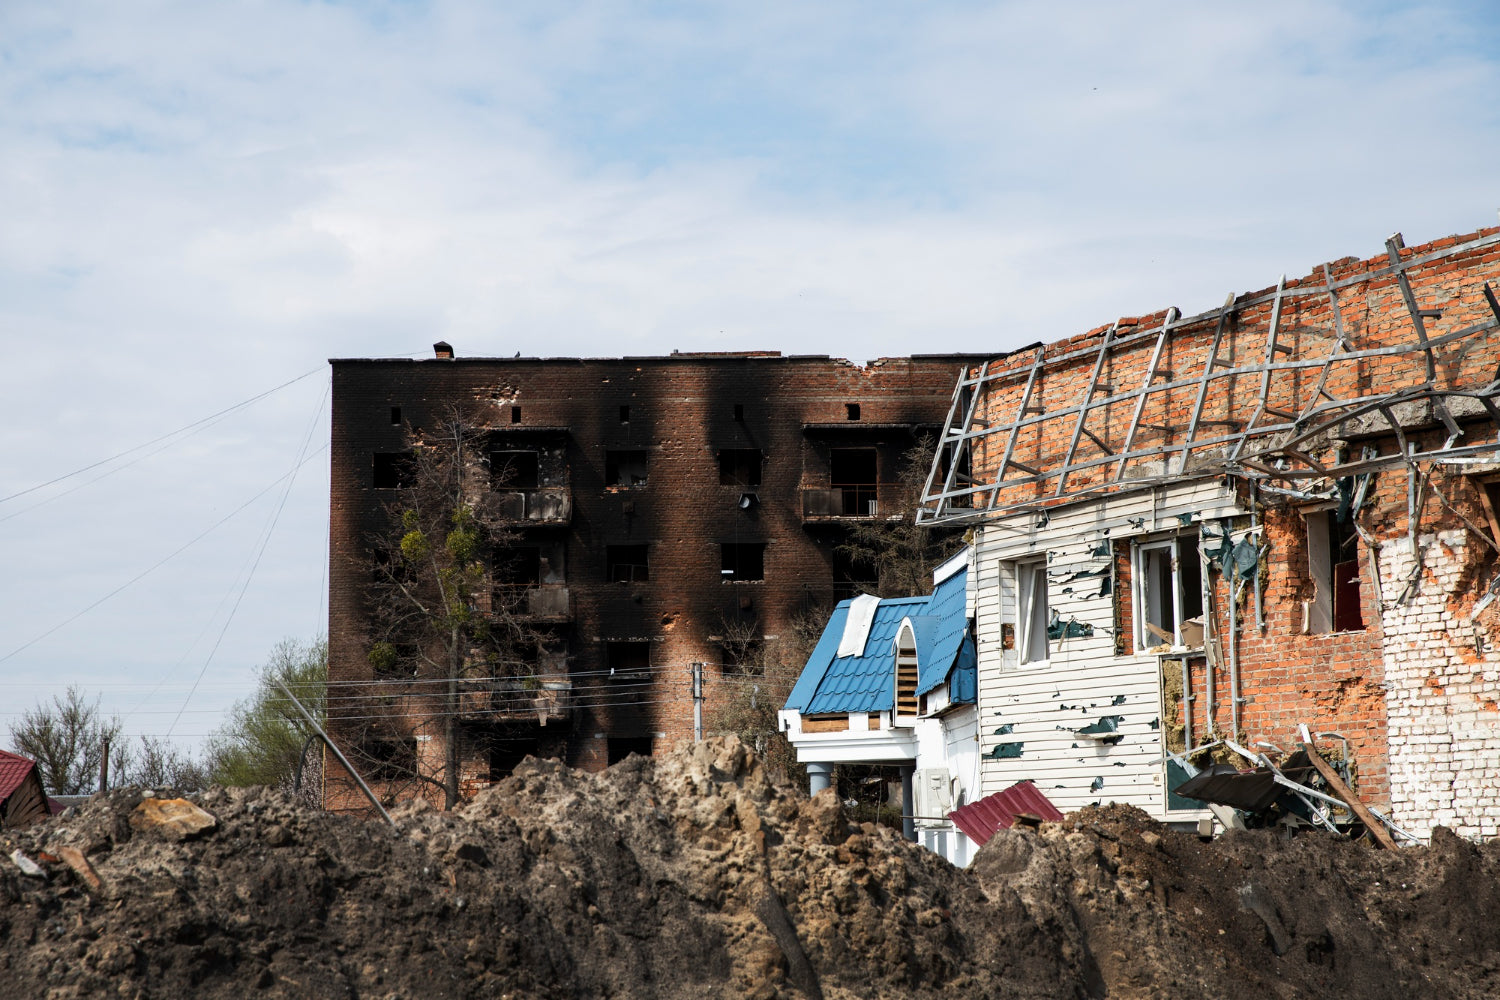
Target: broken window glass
626 564
1169 593
1333 566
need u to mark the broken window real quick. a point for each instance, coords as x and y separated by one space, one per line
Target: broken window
625 468
515 414
625 414
513 470
1168 592
392 470
854 573
1489 499
743 561
626 564
388 759
1032 613
518 567
743 656
628 660
852 472
739 467
1333 566
396 415
620 747
851 411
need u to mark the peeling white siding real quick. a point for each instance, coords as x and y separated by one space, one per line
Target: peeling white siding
1082 681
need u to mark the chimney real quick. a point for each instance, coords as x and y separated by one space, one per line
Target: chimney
443 350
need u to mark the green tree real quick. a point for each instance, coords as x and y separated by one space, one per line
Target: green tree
442 627
262 742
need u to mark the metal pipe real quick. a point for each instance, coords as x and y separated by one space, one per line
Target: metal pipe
336 752
908 807
819 777
1234 656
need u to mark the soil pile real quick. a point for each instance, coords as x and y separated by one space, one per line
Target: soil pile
693 875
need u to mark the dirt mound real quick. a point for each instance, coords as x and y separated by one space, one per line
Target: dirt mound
693 875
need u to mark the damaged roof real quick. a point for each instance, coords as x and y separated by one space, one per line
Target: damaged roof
1272 385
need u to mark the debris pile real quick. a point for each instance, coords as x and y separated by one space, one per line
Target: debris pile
694 875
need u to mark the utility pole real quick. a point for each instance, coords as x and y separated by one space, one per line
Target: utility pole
698 702
104 768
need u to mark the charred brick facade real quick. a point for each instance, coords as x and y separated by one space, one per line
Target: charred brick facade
654 499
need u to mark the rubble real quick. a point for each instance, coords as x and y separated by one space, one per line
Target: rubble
694 874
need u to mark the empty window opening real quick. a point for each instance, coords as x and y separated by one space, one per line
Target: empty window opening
743 561
396 415
518 567
744 656
852 472
1169 591
515 414
625 468
851 411
625 414
387 759
628 660
506 749
393 470
1033 614
626 564
1489 499
854 572
739 411
739 467
514 470
1333 565
621 747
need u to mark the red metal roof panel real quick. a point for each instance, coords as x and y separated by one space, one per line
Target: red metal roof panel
980 819
13 771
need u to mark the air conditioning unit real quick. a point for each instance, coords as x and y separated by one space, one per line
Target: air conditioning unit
934 798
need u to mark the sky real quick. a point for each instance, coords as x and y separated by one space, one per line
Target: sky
202 203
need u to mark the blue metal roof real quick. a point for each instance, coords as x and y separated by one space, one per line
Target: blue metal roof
865 683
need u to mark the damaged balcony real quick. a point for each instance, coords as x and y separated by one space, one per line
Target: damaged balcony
548 602
545 698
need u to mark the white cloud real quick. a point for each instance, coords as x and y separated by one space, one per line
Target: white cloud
202 201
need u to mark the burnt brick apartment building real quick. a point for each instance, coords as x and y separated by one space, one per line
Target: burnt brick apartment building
650 502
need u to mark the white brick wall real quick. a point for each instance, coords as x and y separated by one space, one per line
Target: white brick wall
1444 730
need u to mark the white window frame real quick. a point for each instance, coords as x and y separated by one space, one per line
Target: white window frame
1143 584
1029 615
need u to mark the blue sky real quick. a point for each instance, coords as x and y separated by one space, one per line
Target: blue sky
205 201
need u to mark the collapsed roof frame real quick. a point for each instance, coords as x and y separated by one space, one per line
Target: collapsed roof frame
1275 442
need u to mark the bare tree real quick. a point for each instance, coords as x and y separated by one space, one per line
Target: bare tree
67 740
901 554
441 628
759 675
155 763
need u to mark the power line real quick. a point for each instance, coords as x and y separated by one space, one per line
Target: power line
147 572
186 427
291 479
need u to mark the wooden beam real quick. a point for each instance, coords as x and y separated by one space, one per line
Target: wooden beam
1336 785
